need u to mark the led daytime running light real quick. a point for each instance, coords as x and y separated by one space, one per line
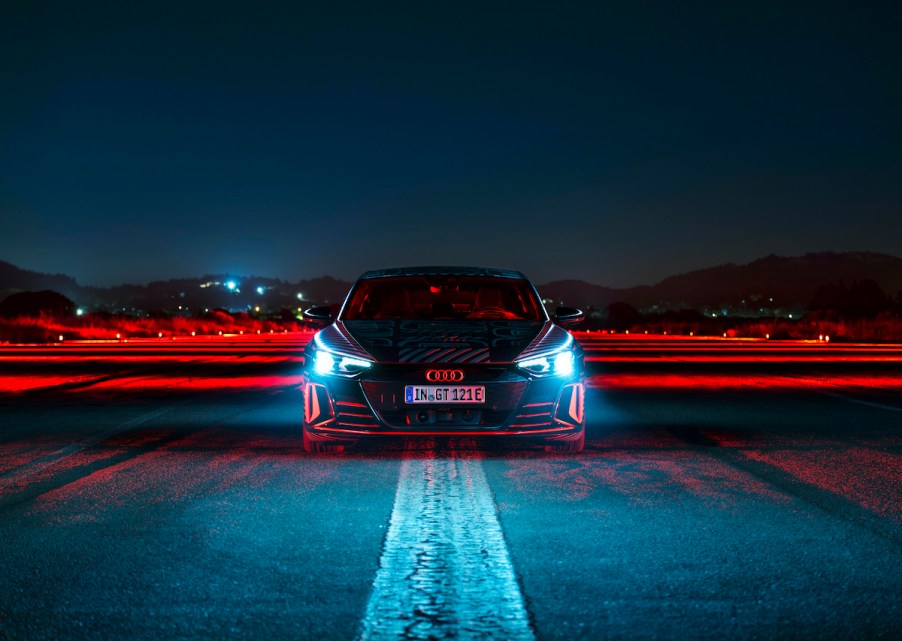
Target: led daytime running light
325 362
560 364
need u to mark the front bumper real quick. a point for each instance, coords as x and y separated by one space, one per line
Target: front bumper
373 405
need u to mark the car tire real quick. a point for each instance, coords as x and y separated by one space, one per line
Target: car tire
572 445
319 445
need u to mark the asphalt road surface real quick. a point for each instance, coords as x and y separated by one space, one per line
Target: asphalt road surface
729 490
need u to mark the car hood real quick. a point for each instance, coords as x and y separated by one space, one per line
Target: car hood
447 341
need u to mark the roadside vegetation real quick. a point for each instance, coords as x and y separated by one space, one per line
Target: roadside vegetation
885 328
48 327
860 311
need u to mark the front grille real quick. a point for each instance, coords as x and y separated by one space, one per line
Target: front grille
503 391
406 419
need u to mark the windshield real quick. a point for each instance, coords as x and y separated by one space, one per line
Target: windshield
443 297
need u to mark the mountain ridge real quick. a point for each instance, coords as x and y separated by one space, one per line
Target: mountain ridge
788 282
791 281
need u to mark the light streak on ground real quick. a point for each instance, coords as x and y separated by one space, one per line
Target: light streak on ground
746 381
169 365
868 477
24 383
606 348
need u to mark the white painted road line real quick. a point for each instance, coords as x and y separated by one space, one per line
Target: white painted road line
445 570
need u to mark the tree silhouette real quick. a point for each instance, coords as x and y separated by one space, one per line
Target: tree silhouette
863 298
36 303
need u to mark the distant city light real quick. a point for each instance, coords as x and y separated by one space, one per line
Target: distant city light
257 308
300 296
79 312
261 289
231 285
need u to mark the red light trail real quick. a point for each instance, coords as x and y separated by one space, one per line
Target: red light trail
247 363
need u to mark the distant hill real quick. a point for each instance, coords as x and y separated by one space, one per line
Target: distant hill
14 279
36 303
790 281
209 291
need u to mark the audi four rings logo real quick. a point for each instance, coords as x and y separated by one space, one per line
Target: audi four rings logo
444 375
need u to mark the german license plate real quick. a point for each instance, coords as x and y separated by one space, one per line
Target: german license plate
444 394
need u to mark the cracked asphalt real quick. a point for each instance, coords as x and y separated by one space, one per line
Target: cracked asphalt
173 501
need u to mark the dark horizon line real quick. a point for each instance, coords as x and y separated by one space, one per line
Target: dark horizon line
559 280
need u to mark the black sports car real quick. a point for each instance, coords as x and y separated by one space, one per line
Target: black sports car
443 351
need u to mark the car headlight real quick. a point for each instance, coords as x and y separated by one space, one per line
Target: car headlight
325 362
559 364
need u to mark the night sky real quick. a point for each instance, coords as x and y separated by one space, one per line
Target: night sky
613 142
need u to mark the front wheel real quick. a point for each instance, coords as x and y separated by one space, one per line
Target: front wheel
571 445
318 444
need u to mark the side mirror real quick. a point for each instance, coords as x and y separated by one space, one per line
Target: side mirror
568 316
318 315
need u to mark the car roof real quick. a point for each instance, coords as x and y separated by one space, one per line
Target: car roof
484 272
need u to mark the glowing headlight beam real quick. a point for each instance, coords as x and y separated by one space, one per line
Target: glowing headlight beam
563 364
324 362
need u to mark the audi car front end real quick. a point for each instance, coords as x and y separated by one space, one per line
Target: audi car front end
443 351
